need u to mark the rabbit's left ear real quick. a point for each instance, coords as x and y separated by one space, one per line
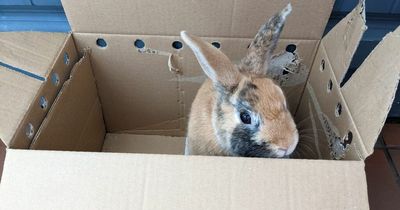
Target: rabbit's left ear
263 45
213 61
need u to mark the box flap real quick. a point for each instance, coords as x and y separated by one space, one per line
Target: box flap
32 52
81 180
32 65
342 41
17 92
75 121
209 18
323 91
370 91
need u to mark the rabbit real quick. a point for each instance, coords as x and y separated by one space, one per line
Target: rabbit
238 111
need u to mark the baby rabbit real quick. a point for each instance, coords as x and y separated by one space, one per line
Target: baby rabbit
238 111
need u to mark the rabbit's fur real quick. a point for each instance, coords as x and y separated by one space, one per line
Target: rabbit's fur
238 111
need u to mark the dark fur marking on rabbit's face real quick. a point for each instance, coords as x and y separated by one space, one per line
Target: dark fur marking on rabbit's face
244 144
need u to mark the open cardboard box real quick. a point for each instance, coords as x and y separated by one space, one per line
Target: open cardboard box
93 90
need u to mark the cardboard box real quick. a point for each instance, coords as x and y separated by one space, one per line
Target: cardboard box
93 90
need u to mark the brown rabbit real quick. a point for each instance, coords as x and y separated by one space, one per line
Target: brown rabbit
238 111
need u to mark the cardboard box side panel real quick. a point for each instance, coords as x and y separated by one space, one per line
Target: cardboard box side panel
71 180
44 97
33 52
371 89
137 83
150 144
227 18
75 120
332 110
342 41
15 101
136 90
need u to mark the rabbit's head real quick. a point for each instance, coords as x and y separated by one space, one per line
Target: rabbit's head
250 116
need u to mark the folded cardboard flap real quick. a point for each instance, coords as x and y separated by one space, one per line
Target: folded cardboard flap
224 18
370 91
33 52
24 116
15 100
75 121
76 180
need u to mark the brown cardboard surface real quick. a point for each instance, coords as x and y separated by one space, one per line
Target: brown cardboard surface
48 89
130 143
79 180
75 121
17 93
342 41
133 85
332 60
227 18
370 91
34 52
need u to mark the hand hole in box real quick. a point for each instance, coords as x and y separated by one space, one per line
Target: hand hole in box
322 66
291 48
329 86
216 44
55 79
29 131
139 43
66 58
338 110
101 43
177 45
43 103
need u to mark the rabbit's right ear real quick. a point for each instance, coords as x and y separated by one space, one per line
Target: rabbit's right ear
214 63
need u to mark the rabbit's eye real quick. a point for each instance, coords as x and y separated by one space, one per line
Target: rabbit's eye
245 117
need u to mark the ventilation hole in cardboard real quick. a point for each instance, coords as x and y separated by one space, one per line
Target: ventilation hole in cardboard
177 45
347 139
29 131
66 58
330 86
291 48
338 110
55 79
101 42
216 44
322 66
43 103
139 43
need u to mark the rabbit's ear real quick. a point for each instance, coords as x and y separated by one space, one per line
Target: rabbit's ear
214 63
263 45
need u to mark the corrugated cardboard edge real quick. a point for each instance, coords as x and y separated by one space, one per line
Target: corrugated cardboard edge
75 121
81 180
